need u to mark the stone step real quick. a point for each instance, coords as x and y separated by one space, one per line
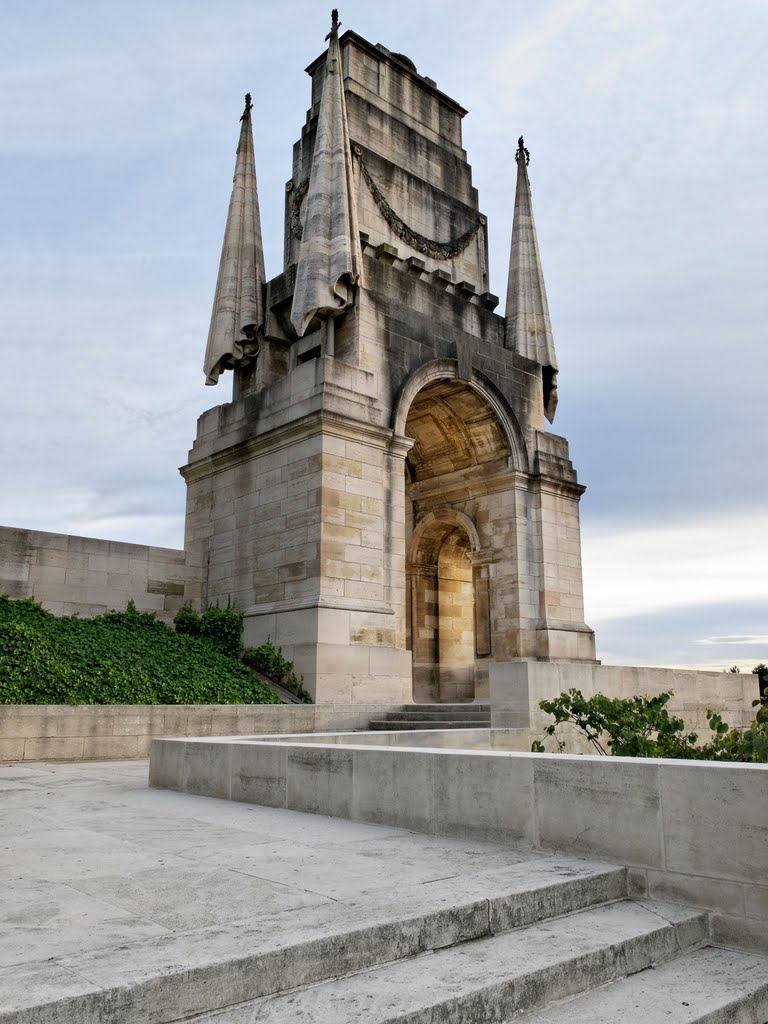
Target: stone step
466 706
490 978
159 980
707 986
434 716
420 724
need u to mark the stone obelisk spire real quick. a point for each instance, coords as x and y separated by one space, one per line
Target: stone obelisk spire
528 328
238 307
330 257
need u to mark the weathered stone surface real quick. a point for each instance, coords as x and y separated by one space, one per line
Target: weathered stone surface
663 818
380 498
85 576
238 305
167 905
39 732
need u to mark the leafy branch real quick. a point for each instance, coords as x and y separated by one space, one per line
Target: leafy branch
644 727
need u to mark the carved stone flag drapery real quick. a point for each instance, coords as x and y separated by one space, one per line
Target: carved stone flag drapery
528 328
330 256
238 306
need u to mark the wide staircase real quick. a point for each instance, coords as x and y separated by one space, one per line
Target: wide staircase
550 940
434 716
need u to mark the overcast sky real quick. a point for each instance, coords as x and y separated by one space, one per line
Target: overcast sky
646 122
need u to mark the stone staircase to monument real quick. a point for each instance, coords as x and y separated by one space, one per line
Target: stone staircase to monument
434 716
549 940
574 951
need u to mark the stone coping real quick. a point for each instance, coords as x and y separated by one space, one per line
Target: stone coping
78 732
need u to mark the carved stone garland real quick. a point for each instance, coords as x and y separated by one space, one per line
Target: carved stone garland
428 246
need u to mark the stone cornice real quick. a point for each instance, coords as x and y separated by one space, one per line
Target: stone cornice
552 485
389 58
349 604
563 625
312 425
477 479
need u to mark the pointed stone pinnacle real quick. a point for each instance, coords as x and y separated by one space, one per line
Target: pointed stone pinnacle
330 258
528 327
238 306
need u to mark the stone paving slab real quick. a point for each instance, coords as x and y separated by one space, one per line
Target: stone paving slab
108 882
91 857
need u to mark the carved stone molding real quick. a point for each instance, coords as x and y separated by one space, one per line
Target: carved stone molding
428 246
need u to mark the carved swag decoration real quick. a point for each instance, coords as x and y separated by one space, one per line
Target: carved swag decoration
428 246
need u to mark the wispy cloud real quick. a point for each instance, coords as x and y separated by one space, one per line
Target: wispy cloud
636 571
759 641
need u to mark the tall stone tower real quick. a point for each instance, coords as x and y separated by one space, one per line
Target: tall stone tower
380 497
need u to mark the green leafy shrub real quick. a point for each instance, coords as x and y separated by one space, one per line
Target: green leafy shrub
187 621
761 671
119 658
643 727
269 661
222 626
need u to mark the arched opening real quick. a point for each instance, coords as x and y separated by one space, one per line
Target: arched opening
441 619
459 450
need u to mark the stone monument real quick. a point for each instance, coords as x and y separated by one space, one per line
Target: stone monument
381 496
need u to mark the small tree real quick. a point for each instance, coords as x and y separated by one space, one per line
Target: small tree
761 671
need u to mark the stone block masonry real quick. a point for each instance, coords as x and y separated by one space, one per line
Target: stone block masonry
105 732
380 497
85 576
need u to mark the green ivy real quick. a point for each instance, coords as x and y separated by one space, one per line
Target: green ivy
127 657
643 727
269 661
221 626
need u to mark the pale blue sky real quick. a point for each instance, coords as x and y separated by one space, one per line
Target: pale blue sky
647 127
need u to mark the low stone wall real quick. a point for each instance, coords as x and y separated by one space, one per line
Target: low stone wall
692 832
465 739
517 688
54 732
457 739
85 576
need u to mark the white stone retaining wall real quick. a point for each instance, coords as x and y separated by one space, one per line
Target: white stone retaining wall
64 732
86 576
691 831
517 687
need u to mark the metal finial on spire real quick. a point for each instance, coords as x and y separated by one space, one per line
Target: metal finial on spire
334 22
522 151
248 106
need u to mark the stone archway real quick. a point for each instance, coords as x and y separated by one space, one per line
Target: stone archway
442 619
460 454
440 612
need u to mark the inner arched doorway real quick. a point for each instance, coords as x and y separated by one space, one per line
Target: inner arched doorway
442 608
460 451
